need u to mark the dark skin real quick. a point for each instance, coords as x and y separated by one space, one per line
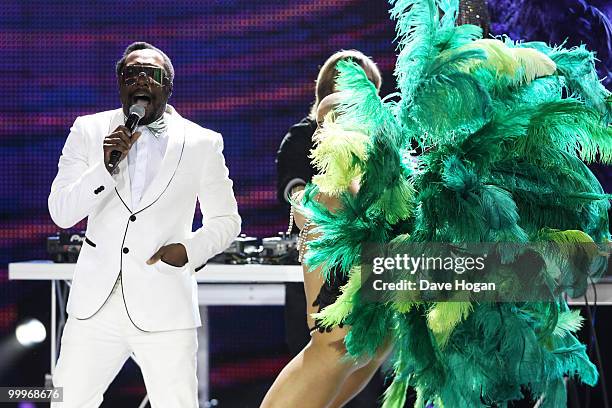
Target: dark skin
121 138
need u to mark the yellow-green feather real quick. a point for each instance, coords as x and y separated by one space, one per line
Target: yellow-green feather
499 56
395 395
337 156
535 64
335 313
443 317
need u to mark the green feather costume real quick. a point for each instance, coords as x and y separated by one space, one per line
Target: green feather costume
505 129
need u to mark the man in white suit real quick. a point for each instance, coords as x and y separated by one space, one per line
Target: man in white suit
134 290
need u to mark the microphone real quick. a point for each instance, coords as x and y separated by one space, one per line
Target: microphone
137 112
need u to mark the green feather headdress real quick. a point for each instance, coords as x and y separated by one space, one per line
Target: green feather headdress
505 128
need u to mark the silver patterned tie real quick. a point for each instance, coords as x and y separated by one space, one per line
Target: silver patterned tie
159 126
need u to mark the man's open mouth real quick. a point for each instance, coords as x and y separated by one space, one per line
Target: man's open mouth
141 96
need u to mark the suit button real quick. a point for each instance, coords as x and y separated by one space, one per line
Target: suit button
99 190
133 218
126 250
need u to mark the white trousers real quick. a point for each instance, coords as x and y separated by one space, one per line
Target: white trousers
94 350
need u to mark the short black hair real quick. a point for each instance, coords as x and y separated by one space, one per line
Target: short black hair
141 45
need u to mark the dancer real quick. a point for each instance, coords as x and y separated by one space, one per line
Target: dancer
134 290
321 364
294 171
504 129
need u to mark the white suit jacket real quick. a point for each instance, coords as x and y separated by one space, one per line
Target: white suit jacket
120 237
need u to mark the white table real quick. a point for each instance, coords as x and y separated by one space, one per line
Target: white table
218 285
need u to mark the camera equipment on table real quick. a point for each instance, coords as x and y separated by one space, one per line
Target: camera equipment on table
280 250
64 247
243 250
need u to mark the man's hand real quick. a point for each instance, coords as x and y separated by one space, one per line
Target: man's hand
172 254
118 140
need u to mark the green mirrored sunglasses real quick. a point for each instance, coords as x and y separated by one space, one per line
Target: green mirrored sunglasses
130 74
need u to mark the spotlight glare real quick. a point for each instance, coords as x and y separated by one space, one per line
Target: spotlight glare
30 333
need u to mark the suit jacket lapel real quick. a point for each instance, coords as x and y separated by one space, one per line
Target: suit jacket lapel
169 164
123 187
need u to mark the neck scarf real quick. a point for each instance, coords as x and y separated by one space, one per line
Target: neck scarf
159 126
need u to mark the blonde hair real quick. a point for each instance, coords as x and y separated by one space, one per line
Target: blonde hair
326 80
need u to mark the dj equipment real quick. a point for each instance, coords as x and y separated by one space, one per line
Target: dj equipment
64 247
280 250
243 250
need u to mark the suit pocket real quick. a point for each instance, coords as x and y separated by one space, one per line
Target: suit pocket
166 268
169 264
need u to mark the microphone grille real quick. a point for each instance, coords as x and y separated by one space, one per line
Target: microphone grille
138 110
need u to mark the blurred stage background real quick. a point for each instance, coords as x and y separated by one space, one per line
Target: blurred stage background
243 68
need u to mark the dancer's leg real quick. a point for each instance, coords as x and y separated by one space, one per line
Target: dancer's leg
358 380
314 377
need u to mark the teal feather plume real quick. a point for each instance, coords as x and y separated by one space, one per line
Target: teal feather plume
416 23
503 160
577 65
370 327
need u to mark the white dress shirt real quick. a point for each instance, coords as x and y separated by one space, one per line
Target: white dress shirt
144 160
